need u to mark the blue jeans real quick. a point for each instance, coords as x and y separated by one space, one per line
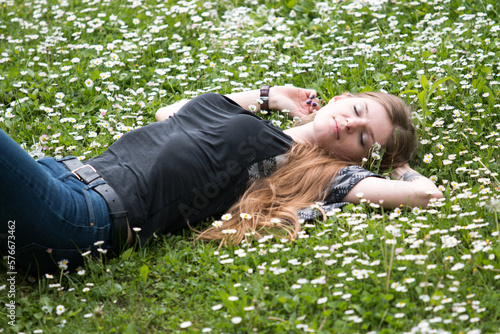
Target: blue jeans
52 215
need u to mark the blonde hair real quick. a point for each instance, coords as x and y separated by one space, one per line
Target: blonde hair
270 204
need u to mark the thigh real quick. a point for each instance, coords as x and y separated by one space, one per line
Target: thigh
56 217
27 186
23 181
29 193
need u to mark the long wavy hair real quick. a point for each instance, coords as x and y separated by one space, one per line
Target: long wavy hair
270 204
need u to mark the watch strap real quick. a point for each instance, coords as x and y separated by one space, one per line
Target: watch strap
264 97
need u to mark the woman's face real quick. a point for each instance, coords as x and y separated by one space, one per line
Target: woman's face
347 127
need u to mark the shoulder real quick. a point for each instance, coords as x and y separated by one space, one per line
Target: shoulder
216 99
210 105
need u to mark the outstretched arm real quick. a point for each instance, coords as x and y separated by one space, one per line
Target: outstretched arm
409 189
299 101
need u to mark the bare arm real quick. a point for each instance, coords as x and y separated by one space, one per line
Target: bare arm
165 112
410 189
300 102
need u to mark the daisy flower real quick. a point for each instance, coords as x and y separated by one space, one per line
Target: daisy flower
245 216
227 216
217 223
428 158
60 309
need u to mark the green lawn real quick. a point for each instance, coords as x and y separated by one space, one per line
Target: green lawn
75 75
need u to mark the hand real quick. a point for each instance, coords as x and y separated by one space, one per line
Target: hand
299 101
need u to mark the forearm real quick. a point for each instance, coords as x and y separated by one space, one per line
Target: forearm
249 100
244 99
411 190
298 102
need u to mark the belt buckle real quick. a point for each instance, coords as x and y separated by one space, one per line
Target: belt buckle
75 172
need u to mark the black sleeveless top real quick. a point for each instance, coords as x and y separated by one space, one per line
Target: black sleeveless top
191 166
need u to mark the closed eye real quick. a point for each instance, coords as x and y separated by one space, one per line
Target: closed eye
361 141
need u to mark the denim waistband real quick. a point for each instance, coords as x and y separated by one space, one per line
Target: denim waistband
89 176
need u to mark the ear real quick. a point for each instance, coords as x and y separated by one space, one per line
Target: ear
339 97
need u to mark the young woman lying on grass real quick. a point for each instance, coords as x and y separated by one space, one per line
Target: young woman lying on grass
207 157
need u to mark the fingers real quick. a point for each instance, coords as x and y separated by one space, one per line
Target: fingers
304 102
312 101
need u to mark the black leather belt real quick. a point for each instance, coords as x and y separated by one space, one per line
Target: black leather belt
87 174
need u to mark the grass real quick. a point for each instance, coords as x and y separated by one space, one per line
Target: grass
76 75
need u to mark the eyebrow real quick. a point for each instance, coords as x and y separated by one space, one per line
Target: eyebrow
370 131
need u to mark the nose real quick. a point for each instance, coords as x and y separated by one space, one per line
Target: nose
351 124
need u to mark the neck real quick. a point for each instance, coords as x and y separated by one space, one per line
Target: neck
302 134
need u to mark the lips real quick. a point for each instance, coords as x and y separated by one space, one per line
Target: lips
337 132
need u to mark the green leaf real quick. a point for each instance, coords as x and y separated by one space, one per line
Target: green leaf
422 96
359 308
95 75
290 4
486 70
288 307
388 297
410 91
367 88
244 268
424 82
72 314
8 123
131 328
436 84
118 287
308 299
144 272
379 77
126 254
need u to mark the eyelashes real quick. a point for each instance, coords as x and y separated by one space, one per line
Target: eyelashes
361 133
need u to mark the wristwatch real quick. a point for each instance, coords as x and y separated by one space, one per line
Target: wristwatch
264 97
